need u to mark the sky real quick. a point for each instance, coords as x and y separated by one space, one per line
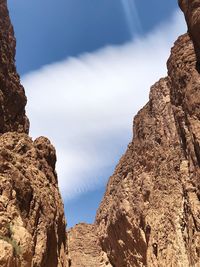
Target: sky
87 66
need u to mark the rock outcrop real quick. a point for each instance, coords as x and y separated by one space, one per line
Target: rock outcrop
150 213
32 223
84 247
12 97
191 9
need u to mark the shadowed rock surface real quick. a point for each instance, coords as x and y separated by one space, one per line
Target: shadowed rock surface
12 96
191 9
150 213
32 223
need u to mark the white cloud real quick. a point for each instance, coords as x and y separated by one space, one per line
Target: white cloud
85 105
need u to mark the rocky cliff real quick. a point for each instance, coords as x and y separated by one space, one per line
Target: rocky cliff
12 97
150 213
32 224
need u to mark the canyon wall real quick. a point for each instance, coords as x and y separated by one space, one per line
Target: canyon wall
12 97
150 213
32 223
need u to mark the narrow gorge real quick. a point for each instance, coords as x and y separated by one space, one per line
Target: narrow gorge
150 213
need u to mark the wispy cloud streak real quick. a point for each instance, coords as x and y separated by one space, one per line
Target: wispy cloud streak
132 17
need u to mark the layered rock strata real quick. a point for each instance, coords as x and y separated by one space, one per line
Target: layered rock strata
32 223
150 213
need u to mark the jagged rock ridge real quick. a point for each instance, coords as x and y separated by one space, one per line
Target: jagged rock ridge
32 223
150 213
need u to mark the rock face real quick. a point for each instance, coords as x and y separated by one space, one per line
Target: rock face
32 223
191 9
84 247
150 213
153 196
12 97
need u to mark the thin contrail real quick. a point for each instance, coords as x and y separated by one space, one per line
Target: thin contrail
132 17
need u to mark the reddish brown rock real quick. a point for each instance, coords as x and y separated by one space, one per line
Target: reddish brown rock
150 213
32 224
191 9
84 247
12 96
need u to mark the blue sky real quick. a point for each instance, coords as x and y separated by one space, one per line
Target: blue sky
83 65
48 31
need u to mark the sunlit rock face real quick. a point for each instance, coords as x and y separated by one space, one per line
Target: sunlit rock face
32 223
191 9
84 247
150 213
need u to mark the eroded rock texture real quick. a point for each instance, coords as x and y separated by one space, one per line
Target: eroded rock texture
84 247
32 224
12 97
153 196
150 214
191 9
